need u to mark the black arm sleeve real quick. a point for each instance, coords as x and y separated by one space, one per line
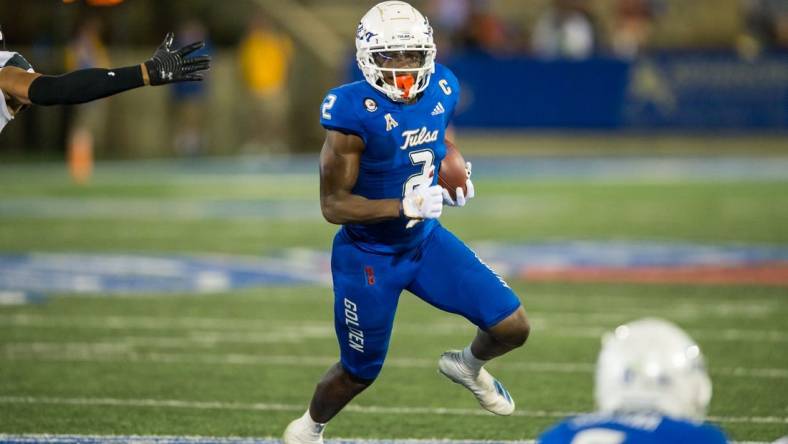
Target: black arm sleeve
83 85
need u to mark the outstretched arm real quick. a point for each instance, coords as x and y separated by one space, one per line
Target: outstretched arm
339 164
84 85
166 66
16 82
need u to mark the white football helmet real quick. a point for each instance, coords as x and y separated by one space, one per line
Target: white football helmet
651 364
389 28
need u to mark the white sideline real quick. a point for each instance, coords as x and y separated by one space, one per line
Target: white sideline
155 439
370 409
123 351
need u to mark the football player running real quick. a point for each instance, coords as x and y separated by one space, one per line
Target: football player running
22 86
378 172
651 387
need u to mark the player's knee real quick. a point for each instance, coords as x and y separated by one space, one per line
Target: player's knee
521 332
517 329
358 381
339 380
351 379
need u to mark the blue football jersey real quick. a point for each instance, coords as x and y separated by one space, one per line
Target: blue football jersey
402 143
634 428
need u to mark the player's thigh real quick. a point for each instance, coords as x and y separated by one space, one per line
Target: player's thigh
366 292
451 277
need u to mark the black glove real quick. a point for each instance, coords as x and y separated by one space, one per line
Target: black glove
170 65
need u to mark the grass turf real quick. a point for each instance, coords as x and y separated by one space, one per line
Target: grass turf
271 345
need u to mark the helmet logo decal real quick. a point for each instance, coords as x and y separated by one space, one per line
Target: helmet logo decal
363 34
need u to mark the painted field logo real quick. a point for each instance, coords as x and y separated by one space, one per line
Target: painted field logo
355 336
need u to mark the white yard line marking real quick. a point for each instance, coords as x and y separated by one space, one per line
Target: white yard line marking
139 439
707 335
163 439
541 326
383 410
153 439
124 351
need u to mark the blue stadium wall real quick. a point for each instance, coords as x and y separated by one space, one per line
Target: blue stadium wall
675 91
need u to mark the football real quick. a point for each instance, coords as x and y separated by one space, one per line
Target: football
452 173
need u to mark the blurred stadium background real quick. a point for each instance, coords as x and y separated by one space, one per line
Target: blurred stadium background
164 264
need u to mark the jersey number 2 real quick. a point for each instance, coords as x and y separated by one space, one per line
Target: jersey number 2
425 158
327 105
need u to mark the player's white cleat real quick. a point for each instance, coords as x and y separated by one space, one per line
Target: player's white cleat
491 394
304 431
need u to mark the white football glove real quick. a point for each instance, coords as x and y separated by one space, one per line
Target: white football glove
425 201
462 199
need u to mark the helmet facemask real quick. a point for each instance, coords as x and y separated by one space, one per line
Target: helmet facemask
401 72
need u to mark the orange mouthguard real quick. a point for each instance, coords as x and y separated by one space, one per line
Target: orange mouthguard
404 83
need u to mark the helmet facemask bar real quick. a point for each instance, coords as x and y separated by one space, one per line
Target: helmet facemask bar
386 80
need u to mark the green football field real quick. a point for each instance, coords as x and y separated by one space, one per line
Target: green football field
244 362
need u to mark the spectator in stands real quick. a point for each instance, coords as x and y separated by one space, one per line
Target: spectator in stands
88 127
566 30
189 98
632 26
470 25
766 26
450 18
487 32
265 57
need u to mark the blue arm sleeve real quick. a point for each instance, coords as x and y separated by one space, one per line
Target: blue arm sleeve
338 112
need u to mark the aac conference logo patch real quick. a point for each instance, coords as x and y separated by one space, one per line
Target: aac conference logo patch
370 105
